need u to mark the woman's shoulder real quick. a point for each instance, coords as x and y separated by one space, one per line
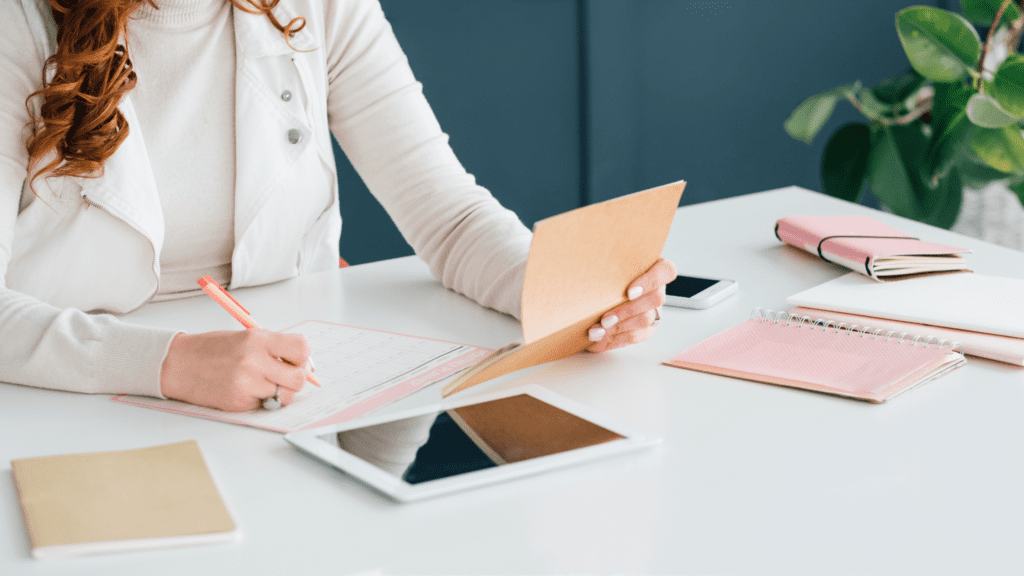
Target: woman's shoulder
29 35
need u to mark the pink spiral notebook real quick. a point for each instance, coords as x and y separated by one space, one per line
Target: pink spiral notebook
849 361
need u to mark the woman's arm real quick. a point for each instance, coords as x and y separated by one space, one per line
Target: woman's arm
43 345
381 119
378 114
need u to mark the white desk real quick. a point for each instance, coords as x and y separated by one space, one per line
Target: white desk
751 478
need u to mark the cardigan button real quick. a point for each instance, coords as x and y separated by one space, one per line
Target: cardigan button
286 95
294 136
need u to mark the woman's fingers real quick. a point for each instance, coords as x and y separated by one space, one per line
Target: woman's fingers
634 321
292 348
657 276
610 342
643 320
284 374
612 319
285 396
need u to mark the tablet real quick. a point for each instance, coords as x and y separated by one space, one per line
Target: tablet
469 442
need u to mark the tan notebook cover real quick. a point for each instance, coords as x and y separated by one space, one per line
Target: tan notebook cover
522 427
114 501
579 267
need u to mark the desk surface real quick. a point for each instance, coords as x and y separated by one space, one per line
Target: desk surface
751 478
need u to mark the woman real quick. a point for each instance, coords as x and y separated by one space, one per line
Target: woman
146 144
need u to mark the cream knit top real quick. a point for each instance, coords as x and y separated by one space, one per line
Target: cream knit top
184 49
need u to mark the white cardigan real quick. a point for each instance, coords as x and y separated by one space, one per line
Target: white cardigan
93 244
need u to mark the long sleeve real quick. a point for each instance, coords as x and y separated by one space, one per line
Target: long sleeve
379 115
42 345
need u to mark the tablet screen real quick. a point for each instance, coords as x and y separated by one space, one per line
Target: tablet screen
470 438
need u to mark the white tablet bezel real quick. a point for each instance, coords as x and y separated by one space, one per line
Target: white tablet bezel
310 441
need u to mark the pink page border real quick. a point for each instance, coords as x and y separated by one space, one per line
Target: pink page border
403 389
122 399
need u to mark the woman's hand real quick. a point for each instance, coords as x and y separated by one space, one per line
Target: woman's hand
234 371
634 321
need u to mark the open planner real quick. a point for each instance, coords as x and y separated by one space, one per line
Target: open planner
823 356
361 370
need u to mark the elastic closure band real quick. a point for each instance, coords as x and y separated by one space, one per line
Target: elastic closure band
867 260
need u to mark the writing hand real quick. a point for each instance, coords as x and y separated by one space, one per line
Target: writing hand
234 371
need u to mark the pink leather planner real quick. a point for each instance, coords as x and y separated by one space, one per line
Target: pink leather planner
869 247
822 356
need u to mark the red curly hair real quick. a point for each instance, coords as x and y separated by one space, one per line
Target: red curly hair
92 72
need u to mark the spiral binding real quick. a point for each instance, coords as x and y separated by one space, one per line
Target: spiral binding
781 317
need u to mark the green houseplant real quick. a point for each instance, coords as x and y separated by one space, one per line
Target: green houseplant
953 119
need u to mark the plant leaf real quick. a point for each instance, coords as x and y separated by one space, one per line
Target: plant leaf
893 170
974 173
1008 85
983 12
951 129
1019 191
940 45
948 196
984 111
873 107
1000 148
845 161
809 117
898 88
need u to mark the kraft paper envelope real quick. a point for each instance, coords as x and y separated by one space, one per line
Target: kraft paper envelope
579 267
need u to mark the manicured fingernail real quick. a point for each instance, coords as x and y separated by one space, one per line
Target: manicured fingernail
635 292
609 320
596 334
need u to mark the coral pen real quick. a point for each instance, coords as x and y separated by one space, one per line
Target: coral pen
221 296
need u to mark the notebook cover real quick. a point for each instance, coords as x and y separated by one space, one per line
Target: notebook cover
839 363
842 246
975 302
83 503
579 267
999 348
522 427
582 261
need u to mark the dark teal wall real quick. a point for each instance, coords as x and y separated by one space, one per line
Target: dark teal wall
554 103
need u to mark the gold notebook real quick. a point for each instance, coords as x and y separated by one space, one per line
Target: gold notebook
119 501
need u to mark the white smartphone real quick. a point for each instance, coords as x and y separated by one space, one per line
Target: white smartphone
698 292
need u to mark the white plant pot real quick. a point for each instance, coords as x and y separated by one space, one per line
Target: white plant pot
992 213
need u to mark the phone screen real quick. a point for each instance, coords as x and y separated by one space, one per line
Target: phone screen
688 286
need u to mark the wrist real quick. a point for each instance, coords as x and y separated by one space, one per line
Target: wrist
170 380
